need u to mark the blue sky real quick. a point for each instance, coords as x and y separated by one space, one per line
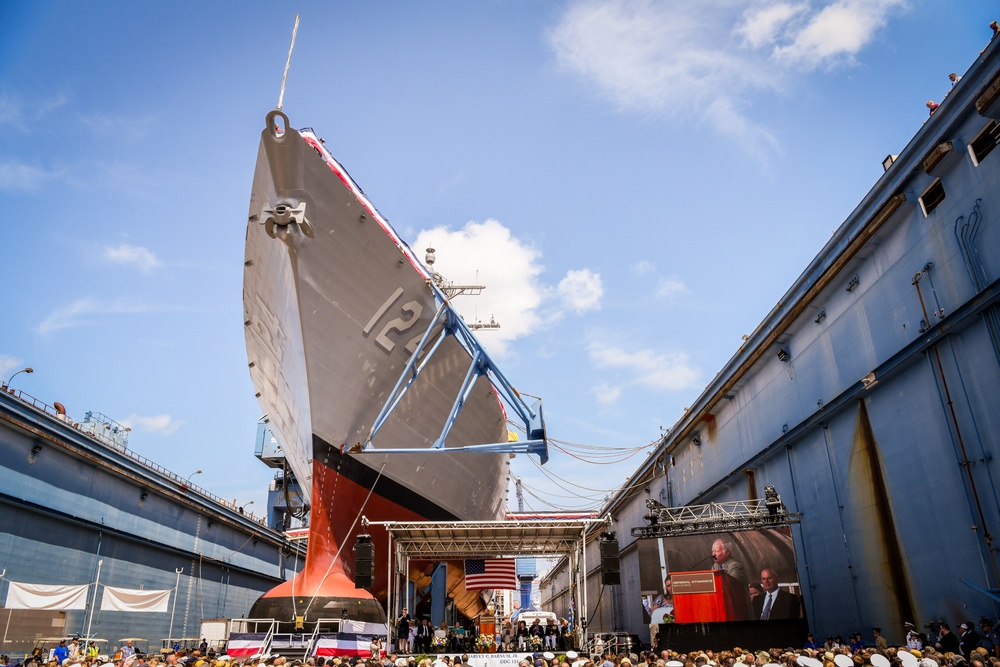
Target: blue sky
637 183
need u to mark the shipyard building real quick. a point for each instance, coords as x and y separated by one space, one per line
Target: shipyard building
92 532
867 399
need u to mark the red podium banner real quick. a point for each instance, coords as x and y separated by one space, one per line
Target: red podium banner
708 596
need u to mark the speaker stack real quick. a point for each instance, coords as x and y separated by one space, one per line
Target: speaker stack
610 572
364 570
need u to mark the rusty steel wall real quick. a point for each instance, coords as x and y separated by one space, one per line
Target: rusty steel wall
868 397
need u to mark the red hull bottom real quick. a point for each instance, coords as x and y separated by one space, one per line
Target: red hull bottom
325 588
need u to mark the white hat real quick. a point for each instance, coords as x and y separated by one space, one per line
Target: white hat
548 655
572 655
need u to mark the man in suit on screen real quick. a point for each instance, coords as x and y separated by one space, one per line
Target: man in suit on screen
775 603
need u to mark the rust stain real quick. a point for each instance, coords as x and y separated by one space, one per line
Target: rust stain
711 426
751 483
868 483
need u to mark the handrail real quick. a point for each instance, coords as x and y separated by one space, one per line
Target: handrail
98 437
311 644
265 649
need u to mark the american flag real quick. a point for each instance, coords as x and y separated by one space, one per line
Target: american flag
490 573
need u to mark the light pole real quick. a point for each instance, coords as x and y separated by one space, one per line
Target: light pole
27 369
245 506
177 587
196 472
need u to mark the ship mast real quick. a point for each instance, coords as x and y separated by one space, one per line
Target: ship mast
451 290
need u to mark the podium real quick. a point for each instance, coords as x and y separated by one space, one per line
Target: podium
709 596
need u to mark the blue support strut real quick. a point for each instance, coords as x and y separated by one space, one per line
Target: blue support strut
447 322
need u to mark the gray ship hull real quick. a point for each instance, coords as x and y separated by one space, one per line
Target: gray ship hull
335 303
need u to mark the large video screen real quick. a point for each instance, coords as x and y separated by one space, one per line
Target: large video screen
735 576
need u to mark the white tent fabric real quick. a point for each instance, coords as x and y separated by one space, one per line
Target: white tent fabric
134 599
46 597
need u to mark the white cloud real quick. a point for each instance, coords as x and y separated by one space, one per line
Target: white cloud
20 177
9 364
486 253
581 290
85 311
653 370
26 116
607 394
669 288
643 267
704 60
765 25
162 424
46 106
131 127
840 29
130 255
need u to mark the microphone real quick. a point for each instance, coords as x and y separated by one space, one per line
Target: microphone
709 556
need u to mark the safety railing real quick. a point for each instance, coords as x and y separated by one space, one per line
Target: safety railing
117 444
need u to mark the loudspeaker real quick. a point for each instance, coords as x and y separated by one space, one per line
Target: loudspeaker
610 574
364 571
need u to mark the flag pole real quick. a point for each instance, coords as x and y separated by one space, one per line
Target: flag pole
9 612
284 78
97 580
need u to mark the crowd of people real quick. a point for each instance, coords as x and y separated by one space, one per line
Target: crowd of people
416 636
939 646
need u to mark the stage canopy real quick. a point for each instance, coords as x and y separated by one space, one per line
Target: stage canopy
518 538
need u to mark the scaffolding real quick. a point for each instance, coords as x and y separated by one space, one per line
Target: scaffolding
716 517
430 540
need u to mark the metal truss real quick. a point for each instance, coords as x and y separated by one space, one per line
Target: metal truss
447 322
716 517
431 540
456 540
